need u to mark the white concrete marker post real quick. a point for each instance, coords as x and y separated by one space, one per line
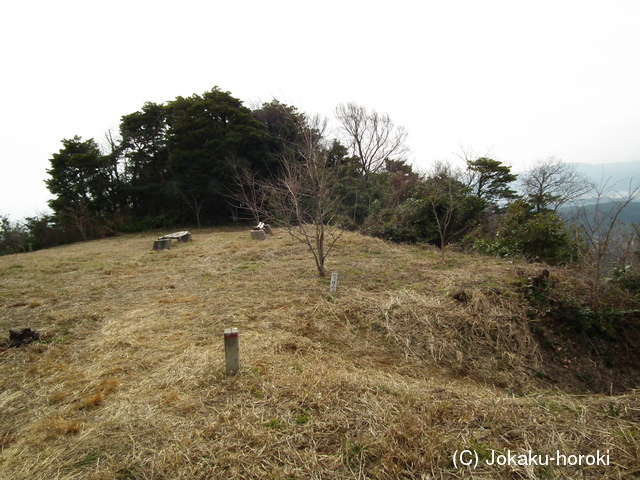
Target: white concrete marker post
334 283
231 350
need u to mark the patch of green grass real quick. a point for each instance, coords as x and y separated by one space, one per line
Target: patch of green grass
358 453
302 418
89 459
257 393
612 411
275 423
555 407
130 473
482 449
11 269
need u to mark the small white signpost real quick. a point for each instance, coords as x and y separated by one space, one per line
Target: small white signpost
334 283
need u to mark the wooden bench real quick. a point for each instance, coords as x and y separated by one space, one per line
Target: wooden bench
180 236
164 242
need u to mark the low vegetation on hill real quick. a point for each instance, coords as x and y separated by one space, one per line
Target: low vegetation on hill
414 359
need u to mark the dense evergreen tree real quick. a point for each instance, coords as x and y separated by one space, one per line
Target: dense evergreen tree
145 161
490 179
208 134
283 125
81 177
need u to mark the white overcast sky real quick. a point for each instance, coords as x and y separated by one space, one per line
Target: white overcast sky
523 79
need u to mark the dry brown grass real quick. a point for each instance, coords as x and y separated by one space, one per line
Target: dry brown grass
410 361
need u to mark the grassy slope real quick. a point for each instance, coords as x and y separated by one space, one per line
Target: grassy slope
386 379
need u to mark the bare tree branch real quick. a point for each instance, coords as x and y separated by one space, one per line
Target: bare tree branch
444 195
552 183
303 198
371 137
599 224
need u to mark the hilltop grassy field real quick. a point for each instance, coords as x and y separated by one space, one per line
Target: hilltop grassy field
411 361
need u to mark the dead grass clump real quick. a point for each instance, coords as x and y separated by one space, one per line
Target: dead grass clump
487 337
57 426
96 398
179 299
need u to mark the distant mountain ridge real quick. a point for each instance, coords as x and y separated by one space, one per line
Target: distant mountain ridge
620 178
629 214
619 174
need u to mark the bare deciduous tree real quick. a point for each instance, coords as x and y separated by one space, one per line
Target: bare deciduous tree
371 137
551 183
195 204
600 227
445 196
79 215
247 194
303 198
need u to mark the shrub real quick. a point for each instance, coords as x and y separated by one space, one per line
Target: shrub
539 236
408 223
628 278
13 236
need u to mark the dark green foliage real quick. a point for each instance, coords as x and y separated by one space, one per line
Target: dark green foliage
522 232
79 174
359 198
415 221
438 209
403 182
45 232
208 134
13 236
453 208
32 233
174 164
490 180
82 178
283 125
574 314
405 223
145 160
356 195
561 311
151 222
